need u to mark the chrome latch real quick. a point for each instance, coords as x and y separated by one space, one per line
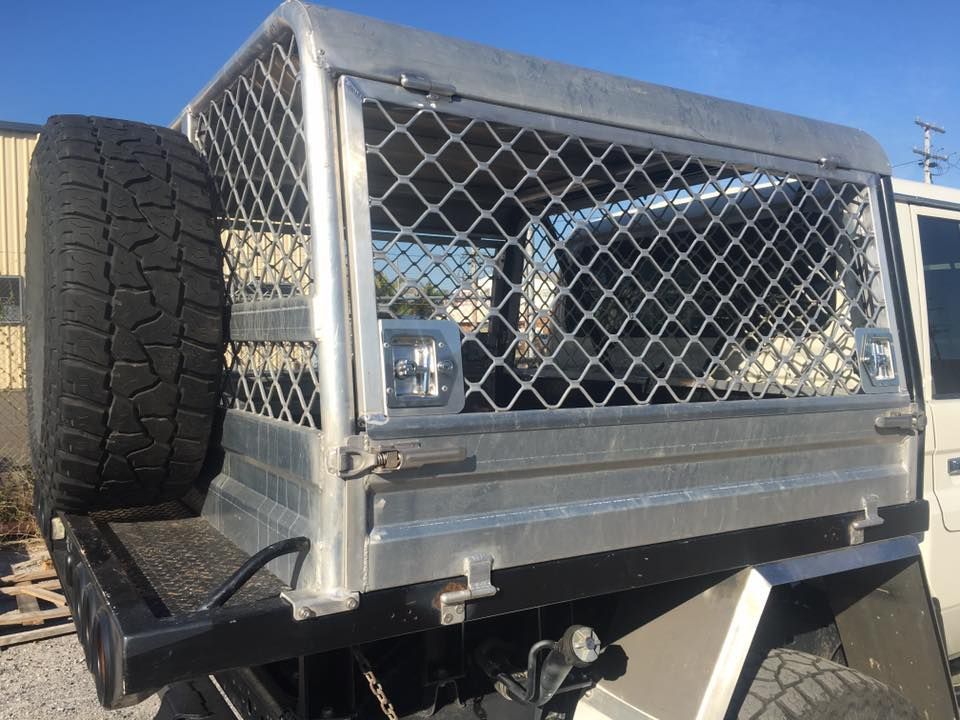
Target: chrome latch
877 356
477 568
871 518
433 90
422 366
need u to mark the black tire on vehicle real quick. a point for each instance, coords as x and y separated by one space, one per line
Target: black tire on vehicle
124 315
793 684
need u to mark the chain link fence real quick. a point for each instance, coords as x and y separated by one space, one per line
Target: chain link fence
15 480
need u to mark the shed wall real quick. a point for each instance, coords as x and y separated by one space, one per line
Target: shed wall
16 147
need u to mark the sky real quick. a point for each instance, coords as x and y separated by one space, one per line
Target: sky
871 64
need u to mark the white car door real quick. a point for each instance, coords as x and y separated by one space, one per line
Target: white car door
931 242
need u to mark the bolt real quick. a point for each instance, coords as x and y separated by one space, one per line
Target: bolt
441 345
304 613
443 388
459 609
352 603
386 344
447 618
585 644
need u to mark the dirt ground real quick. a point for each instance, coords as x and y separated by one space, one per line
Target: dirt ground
49 678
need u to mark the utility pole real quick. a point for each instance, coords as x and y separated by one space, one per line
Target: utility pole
930 158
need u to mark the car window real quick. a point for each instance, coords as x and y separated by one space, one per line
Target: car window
940 248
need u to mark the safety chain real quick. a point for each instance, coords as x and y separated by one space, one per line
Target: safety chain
375 687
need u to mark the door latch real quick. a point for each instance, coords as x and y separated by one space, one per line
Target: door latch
360 457
477 568
871 518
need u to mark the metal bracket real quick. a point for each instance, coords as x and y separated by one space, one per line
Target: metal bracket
188 126
434 90
360 456
477 568
871 518
910 422
830 162
308 603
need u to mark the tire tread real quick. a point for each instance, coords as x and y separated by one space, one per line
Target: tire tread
790 685
132 273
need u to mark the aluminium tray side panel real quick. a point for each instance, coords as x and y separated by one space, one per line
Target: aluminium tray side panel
559 492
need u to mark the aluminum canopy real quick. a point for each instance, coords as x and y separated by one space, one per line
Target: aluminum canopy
346 43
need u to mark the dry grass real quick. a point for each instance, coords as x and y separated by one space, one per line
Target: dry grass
16 504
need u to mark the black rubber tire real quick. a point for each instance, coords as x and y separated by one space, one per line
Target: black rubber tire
124 314
792 684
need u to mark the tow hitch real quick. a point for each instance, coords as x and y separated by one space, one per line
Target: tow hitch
543 678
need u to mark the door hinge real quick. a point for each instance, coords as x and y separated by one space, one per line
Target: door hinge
360 456
478 569
433 90
910 422
870 518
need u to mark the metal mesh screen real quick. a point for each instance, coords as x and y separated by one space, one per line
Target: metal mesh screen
274 379
252 136
588 273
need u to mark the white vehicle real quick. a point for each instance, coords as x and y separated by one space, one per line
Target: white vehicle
929 220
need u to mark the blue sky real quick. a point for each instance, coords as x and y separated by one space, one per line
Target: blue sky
871 64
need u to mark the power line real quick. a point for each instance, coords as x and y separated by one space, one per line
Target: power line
931 160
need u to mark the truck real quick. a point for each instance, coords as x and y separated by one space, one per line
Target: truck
404 376
929 220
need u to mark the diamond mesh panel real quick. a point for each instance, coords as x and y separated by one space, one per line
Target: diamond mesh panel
274 379
587 273
252 136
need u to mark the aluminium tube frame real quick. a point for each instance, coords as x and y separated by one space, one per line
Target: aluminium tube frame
327 313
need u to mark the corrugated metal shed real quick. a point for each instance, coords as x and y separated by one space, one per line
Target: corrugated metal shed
17 141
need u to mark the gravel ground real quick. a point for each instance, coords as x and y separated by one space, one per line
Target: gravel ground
49 679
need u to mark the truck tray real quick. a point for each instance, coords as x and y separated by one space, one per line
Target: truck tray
176 559
136 581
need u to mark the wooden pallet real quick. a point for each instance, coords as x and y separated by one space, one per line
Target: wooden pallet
32 582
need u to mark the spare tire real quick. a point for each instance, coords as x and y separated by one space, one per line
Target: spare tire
124 315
